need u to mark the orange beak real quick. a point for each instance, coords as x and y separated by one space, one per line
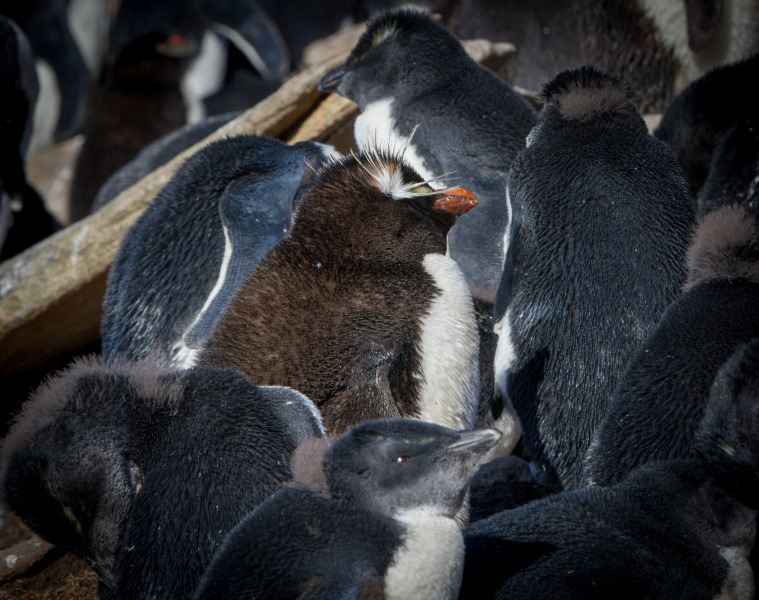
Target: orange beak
456 201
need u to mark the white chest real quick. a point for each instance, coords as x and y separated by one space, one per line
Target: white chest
430 563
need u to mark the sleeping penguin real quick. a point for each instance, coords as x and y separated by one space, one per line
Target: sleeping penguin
601 219
408 74
711 127
142 471
662 395
358 307
369 517
24 219
672 529
180 264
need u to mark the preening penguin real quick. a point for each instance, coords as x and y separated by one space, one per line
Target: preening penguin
601 219
180 264
662 395
358 307
371 516
143 471
715 139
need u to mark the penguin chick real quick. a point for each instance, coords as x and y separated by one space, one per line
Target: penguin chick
714 140
24 219
143 471
679 528
182 261
663 392
408 74
380 524
358 307
596 253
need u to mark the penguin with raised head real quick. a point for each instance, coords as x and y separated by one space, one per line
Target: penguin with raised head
714 138
663 392
24 219
358 307
180 264
371 516
142 471
408 74
673 529
601 219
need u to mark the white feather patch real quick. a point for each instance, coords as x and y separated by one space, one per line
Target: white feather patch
430 563
449 349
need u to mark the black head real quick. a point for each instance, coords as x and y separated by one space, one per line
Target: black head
402 52
395 465
375 205
728 436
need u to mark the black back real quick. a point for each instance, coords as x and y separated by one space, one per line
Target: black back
170 260
596 254
707 133
143 472
663 393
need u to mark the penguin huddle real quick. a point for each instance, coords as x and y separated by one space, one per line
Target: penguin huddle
289 402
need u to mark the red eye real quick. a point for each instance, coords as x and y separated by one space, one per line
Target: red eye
403 459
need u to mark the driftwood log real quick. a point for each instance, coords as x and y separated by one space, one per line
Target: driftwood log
51 295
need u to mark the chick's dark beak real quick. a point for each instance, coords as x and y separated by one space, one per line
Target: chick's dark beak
331 80
456 201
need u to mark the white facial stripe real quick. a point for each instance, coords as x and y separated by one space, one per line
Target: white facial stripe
449 349
430 564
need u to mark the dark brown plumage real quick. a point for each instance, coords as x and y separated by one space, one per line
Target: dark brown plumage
334 311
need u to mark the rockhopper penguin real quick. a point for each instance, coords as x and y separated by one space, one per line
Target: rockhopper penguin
601 220
409 74
142 471
369 517
358 307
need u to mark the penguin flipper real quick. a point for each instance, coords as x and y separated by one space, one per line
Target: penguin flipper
249 28
251 230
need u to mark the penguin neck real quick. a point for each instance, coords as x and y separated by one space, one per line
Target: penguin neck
429 562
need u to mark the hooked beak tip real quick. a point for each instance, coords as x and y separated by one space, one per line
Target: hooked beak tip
457 201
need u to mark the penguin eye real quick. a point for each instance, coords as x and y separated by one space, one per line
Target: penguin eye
403 459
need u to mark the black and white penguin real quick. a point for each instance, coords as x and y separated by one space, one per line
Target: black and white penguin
711 128
48 28
409 75
158 154
673 529
181 263
596 253
142 472
662 395
24 219
358 307
372 516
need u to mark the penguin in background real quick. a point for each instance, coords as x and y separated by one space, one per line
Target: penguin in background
409 75
142 471
371 516
358 307
711 128
663 392
181 263
164 58
597 242
158 154
24 219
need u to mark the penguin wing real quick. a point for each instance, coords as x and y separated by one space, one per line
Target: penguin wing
253 32
251 230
